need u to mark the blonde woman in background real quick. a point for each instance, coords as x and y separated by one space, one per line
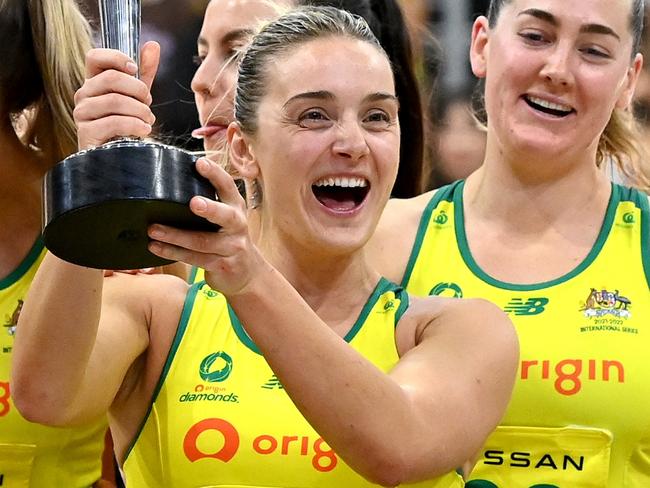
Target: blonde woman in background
42 47
540 230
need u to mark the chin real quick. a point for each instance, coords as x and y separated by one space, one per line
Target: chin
342 242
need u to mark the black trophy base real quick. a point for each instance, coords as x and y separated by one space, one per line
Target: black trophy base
99 203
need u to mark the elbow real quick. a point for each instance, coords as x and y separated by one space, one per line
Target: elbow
386 472
34 404
390 466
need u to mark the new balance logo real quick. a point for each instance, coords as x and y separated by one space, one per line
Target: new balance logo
273 384
531 306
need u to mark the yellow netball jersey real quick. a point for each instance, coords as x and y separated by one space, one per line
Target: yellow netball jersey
579 411
33 455
221 418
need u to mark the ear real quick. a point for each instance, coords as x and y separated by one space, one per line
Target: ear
478 46
242 156
632 76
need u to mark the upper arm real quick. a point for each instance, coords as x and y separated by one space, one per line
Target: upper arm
458 371
130 307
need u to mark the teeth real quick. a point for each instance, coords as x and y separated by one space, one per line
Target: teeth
553 106
343 182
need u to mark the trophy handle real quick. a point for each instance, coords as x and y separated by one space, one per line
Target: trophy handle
120 26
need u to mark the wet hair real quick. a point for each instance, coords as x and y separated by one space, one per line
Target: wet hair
386 21
280 36
620 144
42 47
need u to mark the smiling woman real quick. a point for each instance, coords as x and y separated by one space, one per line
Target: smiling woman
295 363
541 231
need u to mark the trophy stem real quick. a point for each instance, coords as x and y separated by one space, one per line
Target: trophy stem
120 26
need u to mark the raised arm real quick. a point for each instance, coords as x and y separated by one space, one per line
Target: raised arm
72 349
427 417
78 337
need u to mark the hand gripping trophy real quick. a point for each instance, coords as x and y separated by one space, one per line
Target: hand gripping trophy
98 203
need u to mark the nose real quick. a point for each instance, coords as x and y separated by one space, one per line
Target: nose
557 66
350 140
210 78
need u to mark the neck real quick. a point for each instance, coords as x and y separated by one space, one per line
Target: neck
514 187
334 285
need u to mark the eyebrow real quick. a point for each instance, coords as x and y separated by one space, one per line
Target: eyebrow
326 95
233 35
584 29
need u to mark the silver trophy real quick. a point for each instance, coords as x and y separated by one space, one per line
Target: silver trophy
98 203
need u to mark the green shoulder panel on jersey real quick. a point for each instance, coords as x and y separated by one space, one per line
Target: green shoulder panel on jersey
445 193
27 263
180 331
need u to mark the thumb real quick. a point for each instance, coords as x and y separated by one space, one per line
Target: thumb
149 59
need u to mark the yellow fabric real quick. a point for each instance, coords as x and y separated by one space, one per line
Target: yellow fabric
221 418
32 455
578 416
197 275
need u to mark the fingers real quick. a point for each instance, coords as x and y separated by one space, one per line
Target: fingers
229 213
112 102
149 60
99 60
95 133
224 184
197 249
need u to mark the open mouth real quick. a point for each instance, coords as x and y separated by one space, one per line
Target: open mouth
341 194
550 108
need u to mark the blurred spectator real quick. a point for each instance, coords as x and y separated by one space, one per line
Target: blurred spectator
459 139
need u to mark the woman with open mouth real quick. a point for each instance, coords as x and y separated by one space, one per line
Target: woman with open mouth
541 231
295 363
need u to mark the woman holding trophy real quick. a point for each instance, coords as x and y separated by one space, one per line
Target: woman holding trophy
333 379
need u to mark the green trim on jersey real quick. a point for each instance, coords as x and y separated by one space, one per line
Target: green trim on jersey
193 272
644 204
241 332
444 193
404 302
24 266
465 253
178 337
382 287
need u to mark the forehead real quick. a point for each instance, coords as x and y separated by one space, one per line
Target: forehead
225 16
336 64
612 13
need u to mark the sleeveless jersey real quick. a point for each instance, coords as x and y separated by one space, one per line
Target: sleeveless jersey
578 414
33 455
221 418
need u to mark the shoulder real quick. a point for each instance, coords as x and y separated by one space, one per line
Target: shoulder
390 246
405 211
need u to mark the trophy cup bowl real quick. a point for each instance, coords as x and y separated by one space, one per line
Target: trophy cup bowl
98 203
